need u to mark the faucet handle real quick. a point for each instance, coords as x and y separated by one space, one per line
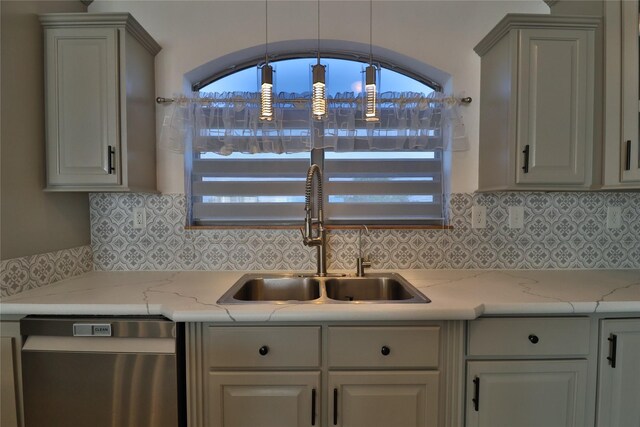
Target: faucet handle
361 264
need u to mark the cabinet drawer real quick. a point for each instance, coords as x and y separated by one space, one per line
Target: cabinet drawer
365 347
262 347
529 336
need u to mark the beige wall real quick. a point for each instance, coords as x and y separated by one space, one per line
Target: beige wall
31 221
199 38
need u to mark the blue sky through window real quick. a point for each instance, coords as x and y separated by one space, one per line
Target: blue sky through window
294 75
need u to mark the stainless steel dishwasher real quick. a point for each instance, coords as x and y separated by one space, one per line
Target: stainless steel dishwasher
103 371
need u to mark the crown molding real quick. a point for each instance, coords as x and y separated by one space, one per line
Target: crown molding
519 21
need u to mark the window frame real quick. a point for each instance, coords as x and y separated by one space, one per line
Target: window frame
316 155
331 54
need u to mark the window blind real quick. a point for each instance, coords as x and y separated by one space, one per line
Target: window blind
385 188
248 189
268 189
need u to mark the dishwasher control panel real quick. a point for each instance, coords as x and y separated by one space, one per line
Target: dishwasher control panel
91 329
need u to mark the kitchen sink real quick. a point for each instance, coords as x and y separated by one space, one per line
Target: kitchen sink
300 289
367 289
278 289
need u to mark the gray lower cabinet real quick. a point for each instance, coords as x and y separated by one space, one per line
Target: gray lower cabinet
528 372
526 393
265 399
10 375
619 373
100 108
383 376
537 103
383 399
307 375
262 376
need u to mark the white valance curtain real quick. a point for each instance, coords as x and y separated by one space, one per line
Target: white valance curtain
229 122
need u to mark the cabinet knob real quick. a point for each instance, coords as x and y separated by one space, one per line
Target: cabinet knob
534 339
263 350
385 350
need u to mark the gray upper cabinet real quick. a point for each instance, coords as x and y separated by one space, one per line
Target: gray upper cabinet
537 103
622 95
100 111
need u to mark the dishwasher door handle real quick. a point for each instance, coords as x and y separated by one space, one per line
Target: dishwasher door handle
100 344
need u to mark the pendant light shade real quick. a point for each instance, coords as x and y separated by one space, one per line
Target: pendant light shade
319 90
371 95
318 94
266 93
370 89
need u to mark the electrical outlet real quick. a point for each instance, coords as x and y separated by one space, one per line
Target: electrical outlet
139 218
516 216
614 217
478 216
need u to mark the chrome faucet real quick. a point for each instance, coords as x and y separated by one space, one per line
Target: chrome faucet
320 238
361 261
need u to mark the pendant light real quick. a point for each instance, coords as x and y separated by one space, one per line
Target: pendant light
371 107
318 92
266 88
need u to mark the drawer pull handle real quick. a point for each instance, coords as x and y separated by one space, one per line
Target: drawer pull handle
385 350
534 339
525 168
335 406
613 348
263 350
313 407
476 394
111 153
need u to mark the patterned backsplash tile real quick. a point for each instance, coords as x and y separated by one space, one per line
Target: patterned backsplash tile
561 230
20 274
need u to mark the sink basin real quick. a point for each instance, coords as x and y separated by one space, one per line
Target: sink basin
277 289
368 289
300 289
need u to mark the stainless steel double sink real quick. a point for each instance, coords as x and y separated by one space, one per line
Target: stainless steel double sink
300 288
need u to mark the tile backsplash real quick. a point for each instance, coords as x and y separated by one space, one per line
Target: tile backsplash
561 230
21 274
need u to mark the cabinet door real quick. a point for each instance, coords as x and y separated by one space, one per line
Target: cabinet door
372 399
8 401
82 106
630 92
11 412
526 393
265 399
555 106
619 382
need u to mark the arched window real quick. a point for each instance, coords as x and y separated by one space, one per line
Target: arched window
361 186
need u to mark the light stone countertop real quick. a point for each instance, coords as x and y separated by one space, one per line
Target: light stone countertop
190 296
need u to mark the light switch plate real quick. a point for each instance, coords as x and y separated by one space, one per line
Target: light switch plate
478 216
516 216
614 217
139 218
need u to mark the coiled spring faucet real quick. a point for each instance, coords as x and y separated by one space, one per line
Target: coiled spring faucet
320 238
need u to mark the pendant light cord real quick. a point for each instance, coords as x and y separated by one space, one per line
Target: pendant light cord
266 32
318 32
370 32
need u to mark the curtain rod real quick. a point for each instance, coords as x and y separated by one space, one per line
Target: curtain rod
451 99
